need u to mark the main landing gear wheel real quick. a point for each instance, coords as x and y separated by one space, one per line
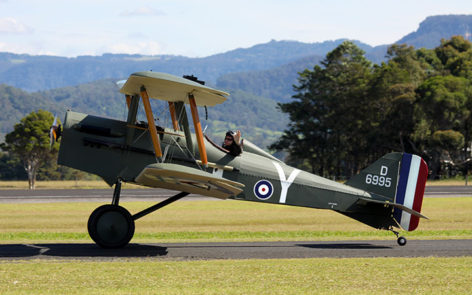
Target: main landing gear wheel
111 226
401 241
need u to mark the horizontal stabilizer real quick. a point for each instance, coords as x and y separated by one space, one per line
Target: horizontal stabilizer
395 205
187 179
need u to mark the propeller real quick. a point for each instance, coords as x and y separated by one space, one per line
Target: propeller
55 132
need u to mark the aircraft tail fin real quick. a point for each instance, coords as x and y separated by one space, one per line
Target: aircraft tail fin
397 179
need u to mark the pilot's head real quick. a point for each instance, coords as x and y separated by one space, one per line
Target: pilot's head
229 137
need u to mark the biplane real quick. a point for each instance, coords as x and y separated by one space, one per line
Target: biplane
386 195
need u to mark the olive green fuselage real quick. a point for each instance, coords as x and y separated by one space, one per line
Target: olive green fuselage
116 149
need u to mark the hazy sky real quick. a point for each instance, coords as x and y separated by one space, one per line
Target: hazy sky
204 27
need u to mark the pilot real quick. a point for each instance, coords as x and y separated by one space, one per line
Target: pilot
233 143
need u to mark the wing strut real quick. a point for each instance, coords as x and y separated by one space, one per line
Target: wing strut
198 130
175 124
151 125
128 100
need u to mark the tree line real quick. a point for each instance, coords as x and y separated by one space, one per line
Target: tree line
347 112
28 152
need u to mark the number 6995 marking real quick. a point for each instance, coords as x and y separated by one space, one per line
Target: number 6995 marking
378 180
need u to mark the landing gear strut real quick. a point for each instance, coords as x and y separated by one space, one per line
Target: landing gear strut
112 226
400 240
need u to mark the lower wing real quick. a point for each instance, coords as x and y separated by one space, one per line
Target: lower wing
187 179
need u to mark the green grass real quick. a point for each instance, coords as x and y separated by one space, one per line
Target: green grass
60 184
200 221
290 276
231 221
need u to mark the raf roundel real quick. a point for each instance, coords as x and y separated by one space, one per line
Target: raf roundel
263 189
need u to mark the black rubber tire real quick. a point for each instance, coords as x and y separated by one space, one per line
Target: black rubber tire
111 226
401 241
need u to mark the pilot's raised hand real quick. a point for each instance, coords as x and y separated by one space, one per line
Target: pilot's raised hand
237 137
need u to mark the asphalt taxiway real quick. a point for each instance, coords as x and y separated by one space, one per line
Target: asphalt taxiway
241 250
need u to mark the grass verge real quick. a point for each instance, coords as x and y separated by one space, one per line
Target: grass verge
61 184
289 276
200 221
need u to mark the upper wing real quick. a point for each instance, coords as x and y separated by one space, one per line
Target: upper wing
186 179
172 88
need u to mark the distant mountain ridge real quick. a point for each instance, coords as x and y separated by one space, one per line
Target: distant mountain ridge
260 75
277 83
34 73
435 28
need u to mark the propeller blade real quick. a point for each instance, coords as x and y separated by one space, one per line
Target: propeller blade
52 136
54 132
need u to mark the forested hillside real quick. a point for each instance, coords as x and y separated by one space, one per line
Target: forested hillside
242 110
100 97
46 72
257 117
275 83
97 98
16 103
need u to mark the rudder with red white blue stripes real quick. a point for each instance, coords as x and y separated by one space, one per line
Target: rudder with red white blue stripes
410 190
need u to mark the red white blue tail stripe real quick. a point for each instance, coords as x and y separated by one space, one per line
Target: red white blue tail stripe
410 190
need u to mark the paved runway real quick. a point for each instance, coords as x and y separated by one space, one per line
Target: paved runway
448 191
242 250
